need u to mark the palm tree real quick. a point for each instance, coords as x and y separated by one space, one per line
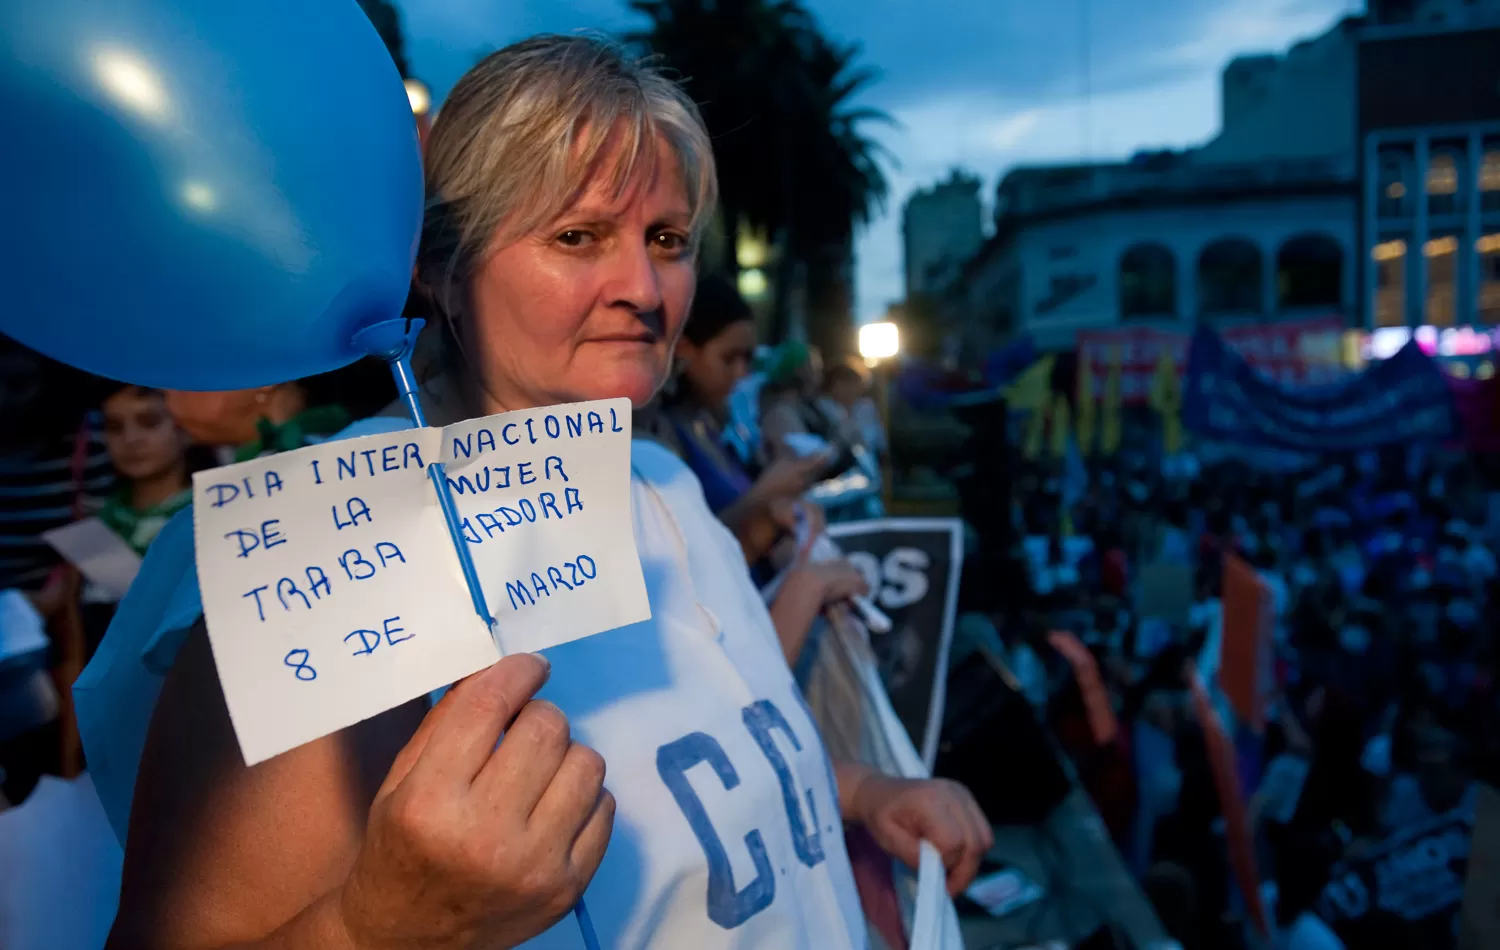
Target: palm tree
387 22
792 159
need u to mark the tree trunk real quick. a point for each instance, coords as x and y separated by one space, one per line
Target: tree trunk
787 250
730 218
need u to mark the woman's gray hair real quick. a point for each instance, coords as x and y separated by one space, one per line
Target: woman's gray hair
517 141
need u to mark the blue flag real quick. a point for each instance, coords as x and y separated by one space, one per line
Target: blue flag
1403 399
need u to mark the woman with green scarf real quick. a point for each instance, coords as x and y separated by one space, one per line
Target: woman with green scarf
150 454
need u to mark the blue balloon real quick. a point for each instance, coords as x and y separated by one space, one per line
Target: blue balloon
202 194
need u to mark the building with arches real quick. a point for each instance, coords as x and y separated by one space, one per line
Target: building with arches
1357 175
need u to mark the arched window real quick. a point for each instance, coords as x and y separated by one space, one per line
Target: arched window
1309 272
1148 281
1394 200
1442 183
1229 277
1489 180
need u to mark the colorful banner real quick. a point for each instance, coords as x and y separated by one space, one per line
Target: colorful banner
1294 352
1404 398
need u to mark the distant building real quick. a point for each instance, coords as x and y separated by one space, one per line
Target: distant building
1335 164
1428 114
1256 225
941 228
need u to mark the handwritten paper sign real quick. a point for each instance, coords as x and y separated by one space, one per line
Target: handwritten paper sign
331 588
100 555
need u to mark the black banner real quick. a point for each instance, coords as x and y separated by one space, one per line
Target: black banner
913 567
1412 880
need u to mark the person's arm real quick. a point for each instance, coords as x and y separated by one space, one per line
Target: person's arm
312 849
902 813
803 595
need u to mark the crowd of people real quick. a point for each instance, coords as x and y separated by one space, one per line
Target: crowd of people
1378 571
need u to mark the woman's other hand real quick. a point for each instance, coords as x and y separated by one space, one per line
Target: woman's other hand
902 813
470 844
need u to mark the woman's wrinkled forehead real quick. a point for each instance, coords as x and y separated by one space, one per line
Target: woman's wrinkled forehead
604 169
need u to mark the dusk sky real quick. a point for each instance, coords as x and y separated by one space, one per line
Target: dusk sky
982 84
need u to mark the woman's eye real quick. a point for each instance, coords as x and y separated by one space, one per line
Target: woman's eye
670 241
574 238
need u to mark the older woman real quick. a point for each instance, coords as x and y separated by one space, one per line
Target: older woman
567 191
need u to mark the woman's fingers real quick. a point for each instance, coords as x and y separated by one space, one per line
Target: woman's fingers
479 708
593 837
525 765
572 794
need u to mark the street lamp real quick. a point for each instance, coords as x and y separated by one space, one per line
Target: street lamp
419 96
879 341
878 345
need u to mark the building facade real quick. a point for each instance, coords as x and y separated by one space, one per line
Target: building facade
1428 114
941 228
1259 224
1165 247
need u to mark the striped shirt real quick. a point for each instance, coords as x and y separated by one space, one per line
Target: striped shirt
38 490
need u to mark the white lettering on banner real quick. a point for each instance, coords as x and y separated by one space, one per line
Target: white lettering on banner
898 580
331 588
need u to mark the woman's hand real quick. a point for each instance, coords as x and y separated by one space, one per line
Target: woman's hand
788 477
474 845
902 813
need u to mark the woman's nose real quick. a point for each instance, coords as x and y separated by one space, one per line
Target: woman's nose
634 280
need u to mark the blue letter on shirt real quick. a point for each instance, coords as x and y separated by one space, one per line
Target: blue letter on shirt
726 907
761 718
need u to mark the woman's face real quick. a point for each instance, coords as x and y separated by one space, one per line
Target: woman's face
592 306
141 436
713 368
221 418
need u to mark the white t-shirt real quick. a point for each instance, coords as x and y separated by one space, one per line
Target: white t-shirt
727 832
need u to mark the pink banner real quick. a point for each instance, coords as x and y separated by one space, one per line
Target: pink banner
1294 352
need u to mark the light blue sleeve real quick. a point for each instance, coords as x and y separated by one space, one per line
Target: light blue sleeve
116 693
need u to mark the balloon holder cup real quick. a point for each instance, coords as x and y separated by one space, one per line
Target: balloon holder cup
394 341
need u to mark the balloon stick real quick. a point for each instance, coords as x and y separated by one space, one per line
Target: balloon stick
393 341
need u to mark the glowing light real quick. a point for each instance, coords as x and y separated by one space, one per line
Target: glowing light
879 341
1437 247
752 283
199 196
1388 250
419 96
750 249
131 83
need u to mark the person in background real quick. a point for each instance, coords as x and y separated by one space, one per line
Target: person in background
243 424
847 403
53 465
53 470
150 454
789 406
712 356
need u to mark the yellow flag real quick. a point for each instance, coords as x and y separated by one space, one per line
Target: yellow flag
1109 429
1166 399
1087 412
1033 388
1060 427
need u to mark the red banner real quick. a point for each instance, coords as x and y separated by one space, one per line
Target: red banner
1294 352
